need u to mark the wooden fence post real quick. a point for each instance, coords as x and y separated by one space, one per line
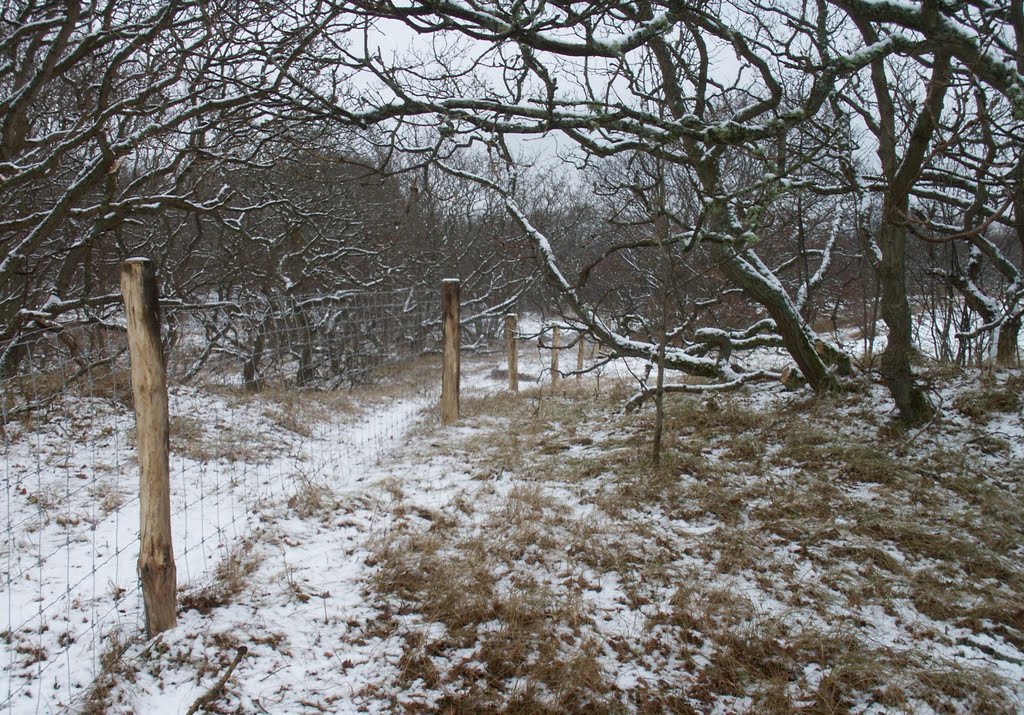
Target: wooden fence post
149 392
579 357
512 349
556 345
450 351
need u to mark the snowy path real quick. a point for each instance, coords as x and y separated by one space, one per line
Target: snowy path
302 613
241 469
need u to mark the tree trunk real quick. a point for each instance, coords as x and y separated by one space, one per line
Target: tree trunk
251 381
306 370
661 231
894 365
11 357
796 335
1007 351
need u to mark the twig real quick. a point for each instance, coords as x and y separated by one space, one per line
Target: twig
936 413
213 692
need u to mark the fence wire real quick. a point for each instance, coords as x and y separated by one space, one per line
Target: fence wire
271 401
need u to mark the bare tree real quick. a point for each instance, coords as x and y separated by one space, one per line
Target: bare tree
969 203
108 113
986 38
194 131
942 174
904 144
619 78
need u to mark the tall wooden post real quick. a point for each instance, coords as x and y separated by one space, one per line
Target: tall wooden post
556 345
449 351
579 357
149 392
512 349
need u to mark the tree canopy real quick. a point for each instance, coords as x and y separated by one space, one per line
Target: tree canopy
738 170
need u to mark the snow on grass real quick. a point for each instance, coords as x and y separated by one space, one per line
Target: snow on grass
70 590
794 553
788 552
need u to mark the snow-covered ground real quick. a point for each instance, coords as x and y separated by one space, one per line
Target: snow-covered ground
315 539
69 593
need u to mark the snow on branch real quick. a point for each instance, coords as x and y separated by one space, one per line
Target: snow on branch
638 399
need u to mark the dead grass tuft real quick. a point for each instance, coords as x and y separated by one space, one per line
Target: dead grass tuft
114 668
109 495
104 382
711 416
230 578
312 498
456 590
952 688
194 440
982 403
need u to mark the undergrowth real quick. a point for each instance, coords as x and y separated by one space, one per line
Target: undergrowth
787 554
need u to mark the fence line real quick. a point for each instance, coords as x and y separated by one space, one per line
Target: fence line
270 401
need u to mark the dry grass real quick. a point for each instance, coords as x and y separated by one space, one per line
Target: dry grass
109 495
114 669
230 578
202 442
805 558
513 635
312 499
103 382
981 403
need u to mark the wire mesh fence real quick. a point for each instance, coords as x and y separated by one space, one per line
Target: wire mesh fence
270 401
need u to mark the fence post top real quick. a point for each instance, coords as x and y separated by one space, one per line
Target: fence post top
450 280
135 259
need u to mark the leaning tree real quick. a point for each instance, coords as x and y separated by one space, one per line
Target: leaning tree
731 102
702 89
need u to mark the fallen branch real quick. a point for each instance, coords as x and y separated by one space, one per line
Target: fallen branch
210 695
638 400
